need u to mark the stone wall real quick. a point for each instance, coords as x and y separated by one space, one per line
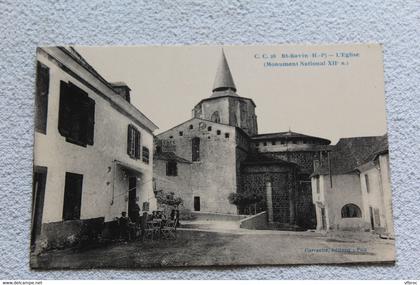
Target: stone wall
214 176
255 222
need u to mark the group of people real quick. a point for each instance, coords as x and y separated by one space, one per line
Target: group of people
134 226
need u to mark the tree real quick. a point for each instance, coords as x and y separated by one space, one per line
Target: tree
244 201
168 199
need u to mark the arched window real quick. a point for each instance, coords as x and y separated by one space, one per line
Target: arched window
351 211
215 117
195 149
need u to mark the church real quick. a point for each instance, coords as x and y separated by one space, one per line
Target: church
219 153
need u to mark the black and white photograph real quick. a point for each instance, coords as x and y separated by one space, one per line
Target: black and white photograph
168 156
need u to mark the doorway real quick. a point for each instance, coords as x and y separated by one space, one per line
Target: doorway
196 203
38 194
132 197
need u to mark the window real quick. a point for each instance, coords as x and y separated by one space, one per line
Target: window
215 117
171 137
265 143
133 142
227 135
76 115
72 196
218 132
351 211
367 183
171 168
195 149
191 127
145 155
181 134
273 142
41 97
209 128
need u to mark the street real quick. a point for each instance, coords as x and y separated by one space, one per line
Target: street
205 247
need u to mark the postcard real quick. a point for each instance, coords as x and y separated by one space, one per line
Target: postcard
166 156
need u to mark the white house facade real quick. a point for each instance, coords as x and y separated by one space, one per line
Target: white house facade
93 155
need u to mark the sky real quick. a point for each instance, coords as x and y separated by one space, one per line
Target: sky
329 101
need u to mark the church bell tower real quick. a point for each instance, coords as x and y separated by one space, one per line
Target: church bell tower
224 105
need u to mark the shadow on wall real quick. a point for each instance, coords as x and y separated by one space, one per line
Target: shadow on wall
353 224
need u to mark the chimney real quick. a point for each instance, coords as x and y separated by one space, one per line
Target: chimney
122 89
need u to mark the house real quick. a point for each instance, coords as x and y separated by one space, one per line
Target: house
93 153
351 186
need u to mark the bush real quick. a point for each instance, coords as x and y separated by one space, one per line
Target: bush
244 200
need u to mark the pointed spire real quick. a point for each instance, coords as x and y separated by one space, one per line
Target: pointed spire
223 80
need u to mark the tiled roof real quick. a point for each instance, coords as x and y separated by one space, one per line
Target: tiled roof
349 153
287 135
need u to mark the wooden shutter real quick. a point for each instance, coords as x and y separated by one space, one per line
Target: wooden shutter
137 144
65 110
129 139
41 97
90 130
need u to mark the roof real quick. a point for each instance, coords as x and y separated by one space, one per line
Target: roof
223 79
225 94
287 135
170 156
120 84
102 87
349 153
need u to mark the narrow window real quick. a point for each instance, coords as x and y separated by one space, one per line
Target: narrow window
76 115
72 196
197 204
145 155
191 127
133 142
195 149
218 132
215 117
171 168
181 134
367 183
227 135
41 97
209 128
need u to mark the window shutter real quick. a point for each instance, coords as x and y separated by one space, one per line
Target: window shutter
64 116
137 144
41 98
90 121
129 139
